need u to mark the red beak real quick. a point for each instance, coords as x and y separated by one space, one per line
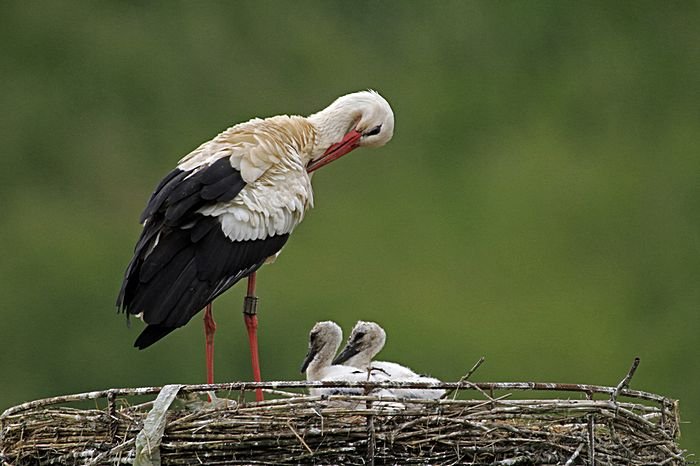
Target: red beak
349 142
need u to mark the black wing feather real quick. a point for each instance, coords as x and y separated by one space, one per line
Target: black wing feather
221 189
198 274
161 256
179 210
162 191
183 260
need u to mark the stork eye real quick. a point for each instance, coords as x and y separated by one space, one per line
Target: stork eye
374 131
359 336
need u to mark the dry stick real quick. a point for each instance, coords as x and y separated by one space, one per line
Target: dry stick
575 455
296 434
281 392
96 460
625 382
112 410
464 378
591 434
472 370
371 439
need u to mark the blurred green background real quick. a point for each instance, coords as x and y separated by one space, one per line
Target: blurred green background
539 204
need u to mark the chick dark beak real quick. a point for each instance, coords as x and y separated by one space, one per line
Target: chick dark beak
349 351
309 357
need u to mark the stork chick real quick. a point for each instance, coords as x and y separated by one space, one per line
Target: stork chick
324 340
364 343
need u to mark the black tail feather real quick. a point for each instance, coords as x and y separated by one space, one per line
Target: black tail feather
152 334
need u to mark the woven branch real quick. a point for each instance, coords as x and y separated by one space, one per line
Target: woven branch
345 429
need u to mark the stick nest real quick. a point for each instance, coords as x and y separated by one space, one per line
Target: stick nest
476 423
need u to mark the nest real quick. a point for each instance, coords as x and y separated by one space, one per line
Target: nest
475 423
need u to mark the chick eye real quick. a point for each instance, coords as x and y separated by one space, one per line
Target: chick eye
374 131
359 335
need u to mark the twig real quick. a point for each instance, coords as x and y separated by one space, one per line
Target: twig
575 455
371 438
590 421
625 382
281 392
289 424
591 439
464 378
96 460
472 370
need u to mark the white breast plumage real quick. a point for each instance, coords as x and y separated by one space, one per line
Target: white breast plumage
275 204
271 156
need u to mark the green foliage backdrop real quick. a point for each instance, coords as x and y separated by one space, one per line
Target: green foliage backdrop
539 204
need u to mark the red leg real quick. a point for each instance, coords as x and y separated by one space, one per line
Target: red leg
209 329
251 322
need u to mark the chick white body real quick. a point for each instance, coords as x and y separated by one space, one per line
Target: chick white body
365 342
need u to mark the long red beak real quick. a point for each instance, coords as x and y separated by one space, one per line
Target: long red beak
349 142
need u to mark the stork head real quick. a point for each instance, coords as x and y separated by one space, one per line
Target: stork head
361 119
367 338
324 339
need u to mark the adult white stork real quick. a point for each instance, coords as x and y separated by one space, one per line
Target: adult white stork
229 206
